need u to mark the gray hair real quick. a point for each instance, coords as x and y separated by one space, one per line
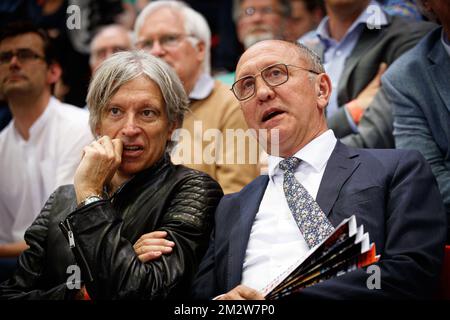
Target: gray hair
194 24
310 56
285 6
125 66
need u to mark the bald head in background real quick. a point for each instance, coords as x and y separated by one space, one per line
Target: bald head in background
109 40
258 20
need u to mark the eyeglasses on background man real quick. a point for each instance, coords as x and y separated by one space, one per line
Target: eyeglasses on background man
168 41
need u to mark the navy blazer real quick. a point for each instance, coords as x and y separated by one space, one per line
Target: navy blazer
391 192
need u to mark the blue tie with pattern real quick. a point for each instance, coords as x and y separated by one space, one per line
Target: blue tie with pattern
311 220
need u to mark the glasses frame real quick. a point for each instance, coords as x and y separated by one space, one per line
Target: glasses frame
233 87
180 38
15 53
103 52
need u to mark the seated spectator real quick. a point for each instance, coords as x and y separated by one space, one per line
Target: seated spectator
42 145
180 36
305 16
417 86
314 183
258 20
124 187
357 41
107 41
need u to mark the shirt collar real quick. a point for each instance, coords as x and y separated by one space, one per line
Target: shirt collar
445 42
40 122
366 16
203 87
315 154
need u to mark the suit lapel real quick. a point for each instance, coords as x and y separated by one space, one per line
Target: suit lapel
439 72
249 202
341 165
366 41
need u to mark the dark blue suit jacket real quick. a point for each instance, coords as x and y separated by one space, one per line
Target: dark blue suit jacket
392 193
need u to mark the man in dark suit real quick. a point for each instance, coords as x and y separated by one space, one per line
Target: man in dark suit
418 88
357 41
282 88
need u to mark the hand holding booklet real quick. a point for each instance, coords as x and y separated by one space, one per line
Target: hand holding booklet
346 249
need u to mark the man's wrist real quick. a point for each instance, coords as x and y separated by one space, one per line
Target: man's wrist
84 192
90 199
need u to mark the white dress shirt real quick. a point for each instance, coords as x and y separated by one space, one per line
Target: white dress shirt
275 240
31 170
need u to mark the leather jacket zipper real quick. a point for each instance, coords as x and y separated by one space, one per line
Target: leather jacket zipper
67 230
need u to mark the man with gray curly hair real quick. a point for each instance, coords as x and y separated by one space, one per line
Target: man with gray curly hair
127 198
181 36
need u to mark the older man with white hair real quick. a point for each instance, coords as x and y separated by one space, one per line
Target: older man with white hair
181 36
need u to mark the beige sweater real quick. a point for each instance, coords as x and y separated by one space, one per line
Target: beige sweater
211 151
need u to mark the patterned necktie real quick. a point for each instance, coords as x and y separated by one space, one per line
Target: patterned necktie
311 220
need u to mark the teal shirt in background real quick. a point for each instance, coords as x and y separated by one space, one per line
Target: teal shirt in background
227 78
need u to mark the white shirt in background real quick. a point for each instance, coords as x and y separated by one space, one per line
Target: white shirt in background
31 170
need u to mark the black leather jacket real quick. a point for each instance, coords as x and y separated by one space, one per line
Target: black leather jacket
165 197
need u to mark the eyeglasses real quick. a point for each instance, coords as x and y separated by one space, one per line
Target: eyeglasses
23 55
273 75
169 41
250 11
104 52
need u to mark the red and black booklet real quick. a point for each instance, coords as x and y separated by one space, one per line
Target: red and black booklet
346 249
